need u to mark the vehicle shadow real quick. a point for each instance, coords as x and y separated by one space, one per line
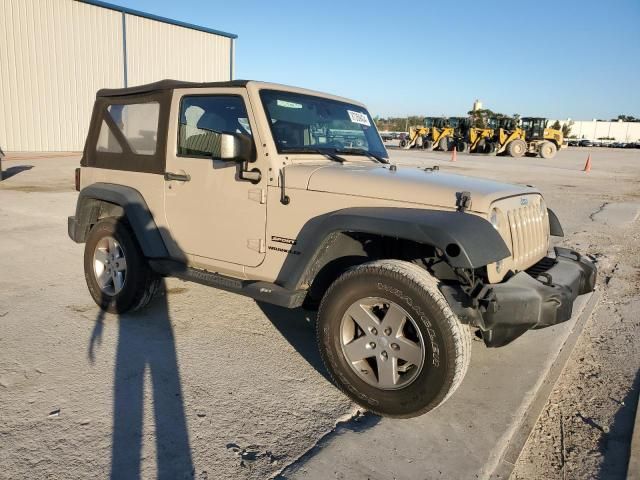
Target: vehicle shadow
11 171
615 444
298 327
146 349
146 352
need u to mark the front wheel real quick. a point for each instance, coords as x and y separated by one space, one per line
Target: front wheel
516 148
117 274
390 340
444 144
548 150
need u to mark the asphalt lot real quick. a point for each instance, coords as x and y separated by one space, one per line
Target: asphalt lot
212 385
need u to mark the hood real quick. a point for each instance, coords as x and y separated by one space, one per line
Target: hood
406 184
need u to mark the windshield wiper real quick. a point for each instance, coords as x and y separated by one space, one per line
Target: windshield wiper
366 153
322 151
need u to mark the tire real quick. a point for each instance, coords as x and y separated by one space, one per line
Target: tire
429 322
403 143
427 145
481 146
443 144
490 148
133 285
461 146
548 150
516 148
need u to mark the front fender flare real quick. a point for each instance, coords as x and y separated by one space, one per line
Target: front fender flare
468 241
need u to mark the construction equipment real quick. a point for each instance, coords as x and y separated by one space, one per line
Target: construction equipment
460 127
434 133
440 134
416 138
508 138
541 140
467 136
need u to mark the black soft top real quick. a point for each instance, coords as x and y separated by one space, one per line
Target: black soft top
164 85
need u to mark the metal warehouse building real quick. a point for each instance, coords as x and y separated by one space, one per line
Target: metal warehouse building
55 55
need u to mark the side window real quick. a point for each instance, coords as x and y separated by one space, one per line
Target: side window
204 118
107 141
135 123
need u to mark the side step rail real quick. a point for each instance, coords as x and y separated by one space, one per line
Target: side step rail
260 291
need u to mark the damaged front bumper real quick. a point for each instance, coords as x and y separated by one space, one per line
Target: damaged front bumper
539 297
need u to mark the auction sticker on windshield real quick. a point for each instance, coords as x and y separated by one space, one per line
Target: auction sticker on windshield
284 103
358 117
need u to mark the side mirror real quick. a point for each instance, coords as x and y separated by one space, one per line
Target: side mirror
234 147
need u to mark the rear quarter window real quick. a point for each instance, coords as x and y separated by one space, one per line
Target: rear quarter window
134 124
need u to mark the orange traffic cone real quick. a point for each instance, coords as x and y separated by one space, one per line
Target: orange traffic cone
587 166
454 154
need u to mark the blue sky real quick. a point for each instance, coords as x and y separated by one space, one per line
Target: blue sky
577 59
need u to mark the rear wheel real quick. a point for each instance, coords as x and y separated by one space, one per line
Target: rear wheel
461 146
548 150
490 147
390 340
427 145
117 274
403 143
480 147
516 148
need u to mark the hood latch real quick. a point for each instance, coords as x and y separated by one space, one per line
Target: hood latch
463 201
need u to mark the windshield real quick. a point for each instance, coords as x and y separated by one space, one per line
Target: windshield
304 122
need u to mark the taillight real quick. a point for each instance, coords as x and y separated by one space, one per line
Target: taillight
78 179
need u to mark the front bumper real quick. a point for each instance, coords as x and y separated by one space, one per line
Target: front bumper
539 297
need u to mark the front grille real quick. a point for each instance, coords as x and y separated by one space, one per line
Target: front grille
529 234
542 266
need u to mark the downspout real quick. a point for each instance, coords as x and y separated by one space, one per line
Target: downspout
124 48
231 58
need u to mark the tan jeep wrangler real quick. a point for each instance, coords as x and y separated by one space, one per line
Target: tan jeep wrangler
287 196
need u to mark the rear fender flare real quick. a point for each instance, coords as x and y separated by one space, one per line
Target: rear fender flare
127 201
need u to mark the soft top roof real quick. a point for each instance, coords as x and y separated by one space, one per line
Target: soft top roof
163 85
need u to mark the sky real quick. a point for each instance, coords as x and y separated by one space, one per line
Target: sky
570 59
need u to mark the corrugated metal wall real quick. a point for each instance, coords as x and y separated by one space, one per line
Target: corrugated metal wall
55 55
158 50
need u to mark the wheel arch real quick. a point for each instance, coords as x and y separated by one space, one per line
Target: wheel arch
101 200
465 240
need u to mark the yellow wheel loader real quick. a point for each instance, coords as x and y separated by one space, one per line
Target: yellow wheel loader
508 138
435 133
416 138
541 140
466 136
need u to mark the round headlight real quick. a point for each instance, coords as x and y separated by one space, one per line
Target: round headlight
494 218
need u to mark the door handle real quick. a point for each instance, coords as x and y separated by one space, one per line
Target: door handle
180 177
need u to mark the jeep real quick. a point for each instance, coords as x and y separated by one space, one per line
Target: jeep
288 196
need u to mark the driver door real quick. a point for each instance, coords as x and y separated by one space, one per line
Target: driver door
212 214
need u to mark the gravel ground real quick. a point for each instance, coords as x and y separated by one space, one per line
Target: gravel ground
585 428
184 399
205 384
